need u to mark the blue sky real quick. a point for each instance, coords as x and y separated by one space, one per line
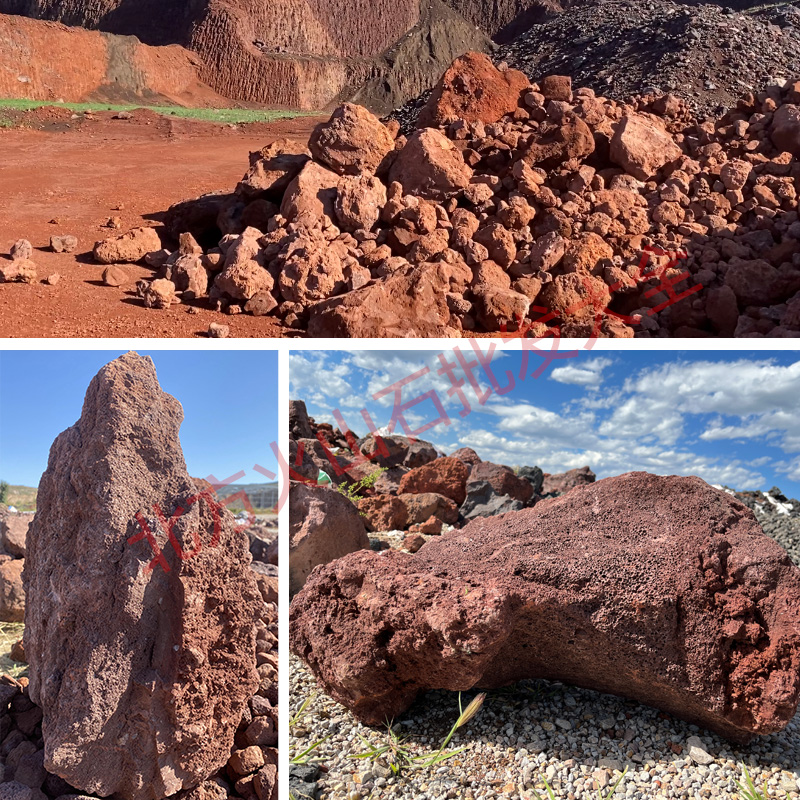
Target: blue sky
230 404
730 417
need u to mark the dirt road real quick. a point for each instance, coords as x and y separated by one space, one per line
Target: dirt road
70 176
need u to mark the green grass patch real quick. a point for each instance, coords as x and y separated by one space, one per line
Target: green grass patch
226 115
10 632
23 498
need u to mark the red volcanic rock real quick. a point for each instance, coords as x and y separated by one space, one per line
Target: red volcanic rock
352 141
430 166
502 480
700 617
384 512
786 129
409 303
572 139
421 507
447 476
413 542
324 525
125 677
389 481
564 481
473 89
467 455
394 450
641 147
299 423
432 525
13 530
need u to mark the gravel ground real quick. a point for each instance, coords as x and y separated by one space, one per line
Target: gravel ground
579 740
706 54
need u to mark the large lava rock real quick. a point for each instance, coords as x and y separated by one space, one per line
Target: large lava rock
324 525
661 589
142 673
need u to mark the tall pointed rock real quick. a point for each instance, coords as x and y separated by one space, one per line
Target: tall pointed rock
142 664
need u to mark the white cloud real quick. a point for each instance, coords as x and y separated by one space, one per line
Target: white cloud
585 373
670 419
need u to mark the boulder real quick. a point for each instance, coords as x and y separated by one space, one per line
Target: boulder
389 481
446 476
324 525
410 303
473 89
699 618
13 529
534 476
413 541
159 293
502 480
483 501
273 169
115 275
430 166
311 195
21 250
19 270
393 450
12 592
431 526
315 459
352 141
299 424
467 455
641 147
383 512
150 626
127 248
572 139
313 269
564 481
63 244
359 200
785 133
421 507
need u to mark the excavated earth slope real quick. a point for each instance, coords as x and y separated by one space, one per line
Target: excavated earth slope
50 61
299 53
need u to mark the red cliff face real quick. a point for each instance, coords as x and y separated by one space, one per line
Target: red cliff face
300 53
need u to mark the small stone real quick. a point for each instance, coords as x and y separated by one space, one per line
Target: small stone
115 275
22 250
697 751
63 244
217 330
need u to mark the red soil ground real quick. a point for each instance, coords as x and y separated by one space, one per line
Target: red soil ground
69 177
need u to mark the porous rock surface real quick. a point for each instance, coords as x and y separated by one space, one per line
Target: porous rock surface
142 674
325 525
572 214
662 589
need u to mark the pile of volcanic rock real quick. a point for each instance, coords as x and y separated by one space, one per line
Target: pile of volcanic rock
418 491
514 206
13 528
